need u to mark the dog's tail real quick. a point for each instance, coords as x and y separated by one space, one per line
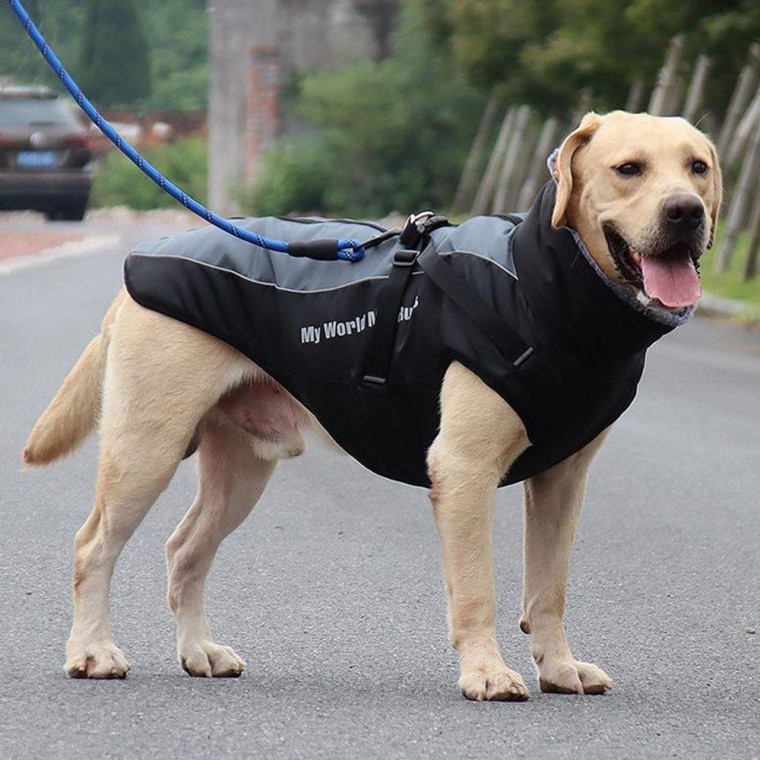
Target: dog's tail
73 412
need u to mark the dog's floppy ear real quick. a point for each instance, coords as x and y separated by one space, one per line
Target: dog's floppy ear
563 166
717 180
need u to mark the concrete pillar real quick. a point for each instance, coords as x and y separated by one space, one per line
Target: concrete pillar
235 26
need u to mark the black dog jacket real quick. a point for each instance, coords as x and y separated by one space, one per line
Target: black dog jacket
364 346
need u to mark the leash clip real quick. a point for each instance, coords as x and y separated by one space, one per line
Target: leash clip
419 225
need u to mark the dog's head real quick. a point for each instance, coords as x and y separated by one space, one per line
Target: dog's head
643 192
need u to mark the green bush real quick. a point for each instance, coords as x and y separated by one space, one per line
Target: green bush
391 136
294 177
118 182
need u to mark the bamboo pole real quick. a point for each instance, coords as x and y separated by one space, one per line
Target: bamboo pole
696 87
583 107
483 197
737 213
508 168
524 164
466 187
753 245
740 97
673 98
667 79
537 169
635 96
743 131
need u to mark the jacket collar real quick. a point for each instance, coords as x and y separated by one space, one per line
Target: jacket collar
580 310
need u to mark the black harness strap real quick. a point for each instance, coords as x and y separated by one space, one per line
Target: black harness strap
486 318
384 332
414 234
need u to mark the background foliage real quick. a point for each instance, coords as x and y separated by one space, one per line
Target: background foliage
118 182
113 41
541 52
544 52
388 135
176 32
393 135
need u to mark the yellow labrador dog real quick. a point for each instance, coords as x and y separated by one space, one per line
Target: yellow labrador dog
630 187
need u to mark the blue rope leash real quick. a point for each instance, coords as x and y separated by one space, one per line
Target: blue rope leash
346 249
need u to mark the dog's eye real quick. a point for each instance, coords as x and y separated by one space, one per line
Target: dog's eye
699 167
630 169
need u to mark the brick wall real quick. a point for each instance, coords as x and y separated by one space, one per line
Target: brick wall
262 120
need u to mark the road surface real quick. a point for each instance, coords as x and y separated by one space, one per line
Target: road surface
332 590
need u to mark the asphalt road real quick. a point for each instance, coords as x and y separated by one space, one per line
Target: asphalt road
332 590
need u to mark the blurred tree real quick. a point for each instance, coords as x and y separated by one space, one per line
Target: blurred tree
380 14
722 29
176 31
60 22
545 51
114 61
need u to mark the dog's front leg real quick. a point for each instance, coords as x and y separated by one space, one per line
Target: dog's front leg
553 502
479 438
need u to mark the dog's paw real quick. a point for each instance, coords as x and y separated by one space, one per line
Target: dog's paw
497 683
573 677
209 660
96 661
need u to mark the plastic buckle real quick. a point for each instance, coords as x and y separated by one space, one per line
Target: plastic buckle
405 258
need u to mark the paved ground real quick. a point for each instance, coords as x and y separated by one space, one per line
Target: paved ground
332 590
25 233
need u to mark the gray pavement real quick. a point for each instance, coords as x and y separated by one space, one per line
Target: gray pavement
332 590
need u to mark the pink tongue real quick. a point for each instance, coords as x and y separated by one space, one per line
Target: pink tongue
672 279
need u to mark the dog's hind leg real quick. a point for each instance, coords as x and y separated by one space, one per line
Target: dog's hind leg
479 438
153 401
129 481
232 476
553 502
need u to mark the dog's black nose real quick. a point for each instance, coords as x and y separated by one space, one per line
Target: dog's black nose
683 212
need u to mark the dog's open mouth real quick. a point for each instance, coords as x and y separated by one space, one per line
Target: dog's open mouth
671 276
